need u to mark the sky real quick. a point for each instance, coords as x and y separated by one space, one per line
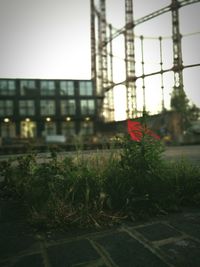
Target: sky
51 39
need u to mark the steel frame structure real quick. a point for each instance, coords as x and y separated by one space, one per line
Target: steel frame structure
103 77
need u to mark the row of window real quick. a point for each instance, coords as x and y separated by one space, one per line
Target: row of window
29 129
47 107
29 87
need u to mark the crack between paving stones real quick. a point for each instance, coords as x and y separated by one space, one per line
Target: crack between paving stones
168 240
186 235
44 254
103 253
148 246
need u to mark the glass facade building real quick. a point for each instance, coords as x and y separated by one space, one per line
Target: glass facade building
35 108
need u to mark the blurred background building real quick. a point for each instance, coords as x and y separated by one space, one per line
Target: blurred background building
71 110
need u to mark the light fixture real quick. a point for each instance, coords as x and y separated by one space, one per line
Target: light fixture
68 119
87 119
6 120
48 119
27 120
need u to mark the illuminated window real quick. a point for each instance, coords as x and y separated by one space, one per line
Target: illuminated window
47 87
85 88
47 107
50 128
87 107
6 108
68 107
66 88
87 128
7 87
68 128
28 128
8 130
27 87
26 107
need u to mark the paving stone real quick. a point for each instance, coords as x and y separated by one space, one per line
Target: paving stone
158 231
97 263
56 235
4 263
71 253
11 211
127 251
35 260
14 245
189 225
92 264
183 253
14 229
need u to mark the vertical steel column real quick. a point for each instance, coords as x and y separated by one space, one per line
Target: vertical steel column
100 63
111 55
179 100
110 80
177 50
130 61
103 44
103 62
93 42
143 76
161 73
95 57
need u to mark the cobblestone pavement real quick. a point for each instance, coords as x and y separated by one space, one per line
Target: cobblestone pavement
171 241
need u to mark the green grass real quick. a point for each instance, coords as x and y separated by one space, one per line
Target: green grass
101 190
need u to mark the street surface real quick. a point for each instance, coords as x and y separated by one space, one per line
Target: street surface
183 152
191 153
168 241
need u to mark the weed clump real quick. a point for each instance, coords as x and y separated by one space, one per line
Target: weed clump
133 182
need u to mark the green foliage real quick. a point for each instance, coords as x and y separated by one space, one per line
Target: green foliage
179 102
189 113
186 178
134 182
142 166
142 157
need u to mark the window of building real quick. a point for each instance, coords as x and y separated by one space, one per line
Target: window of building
28 129
7 87
27 87
87 128
26 107
87 107
85 88
47 87
68 107
50 128
47 107
68 128
67 88
8 130
6 108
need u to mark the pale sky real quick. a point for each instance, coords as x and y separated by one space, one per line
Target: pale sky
51 39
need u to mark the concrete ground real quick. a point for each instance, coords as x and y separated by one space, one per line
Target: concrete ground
168 241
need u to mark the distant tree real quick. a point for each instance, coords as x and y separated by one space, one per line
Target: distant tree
189 113
194 113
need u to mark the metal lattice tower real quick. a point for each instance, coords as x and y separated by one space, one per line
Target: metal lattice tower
107 89
93 42
130 61
177 50
102 47
110 80
102 57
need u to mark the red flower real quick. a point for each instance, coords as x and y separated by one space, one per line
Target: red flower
137 130
151 133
